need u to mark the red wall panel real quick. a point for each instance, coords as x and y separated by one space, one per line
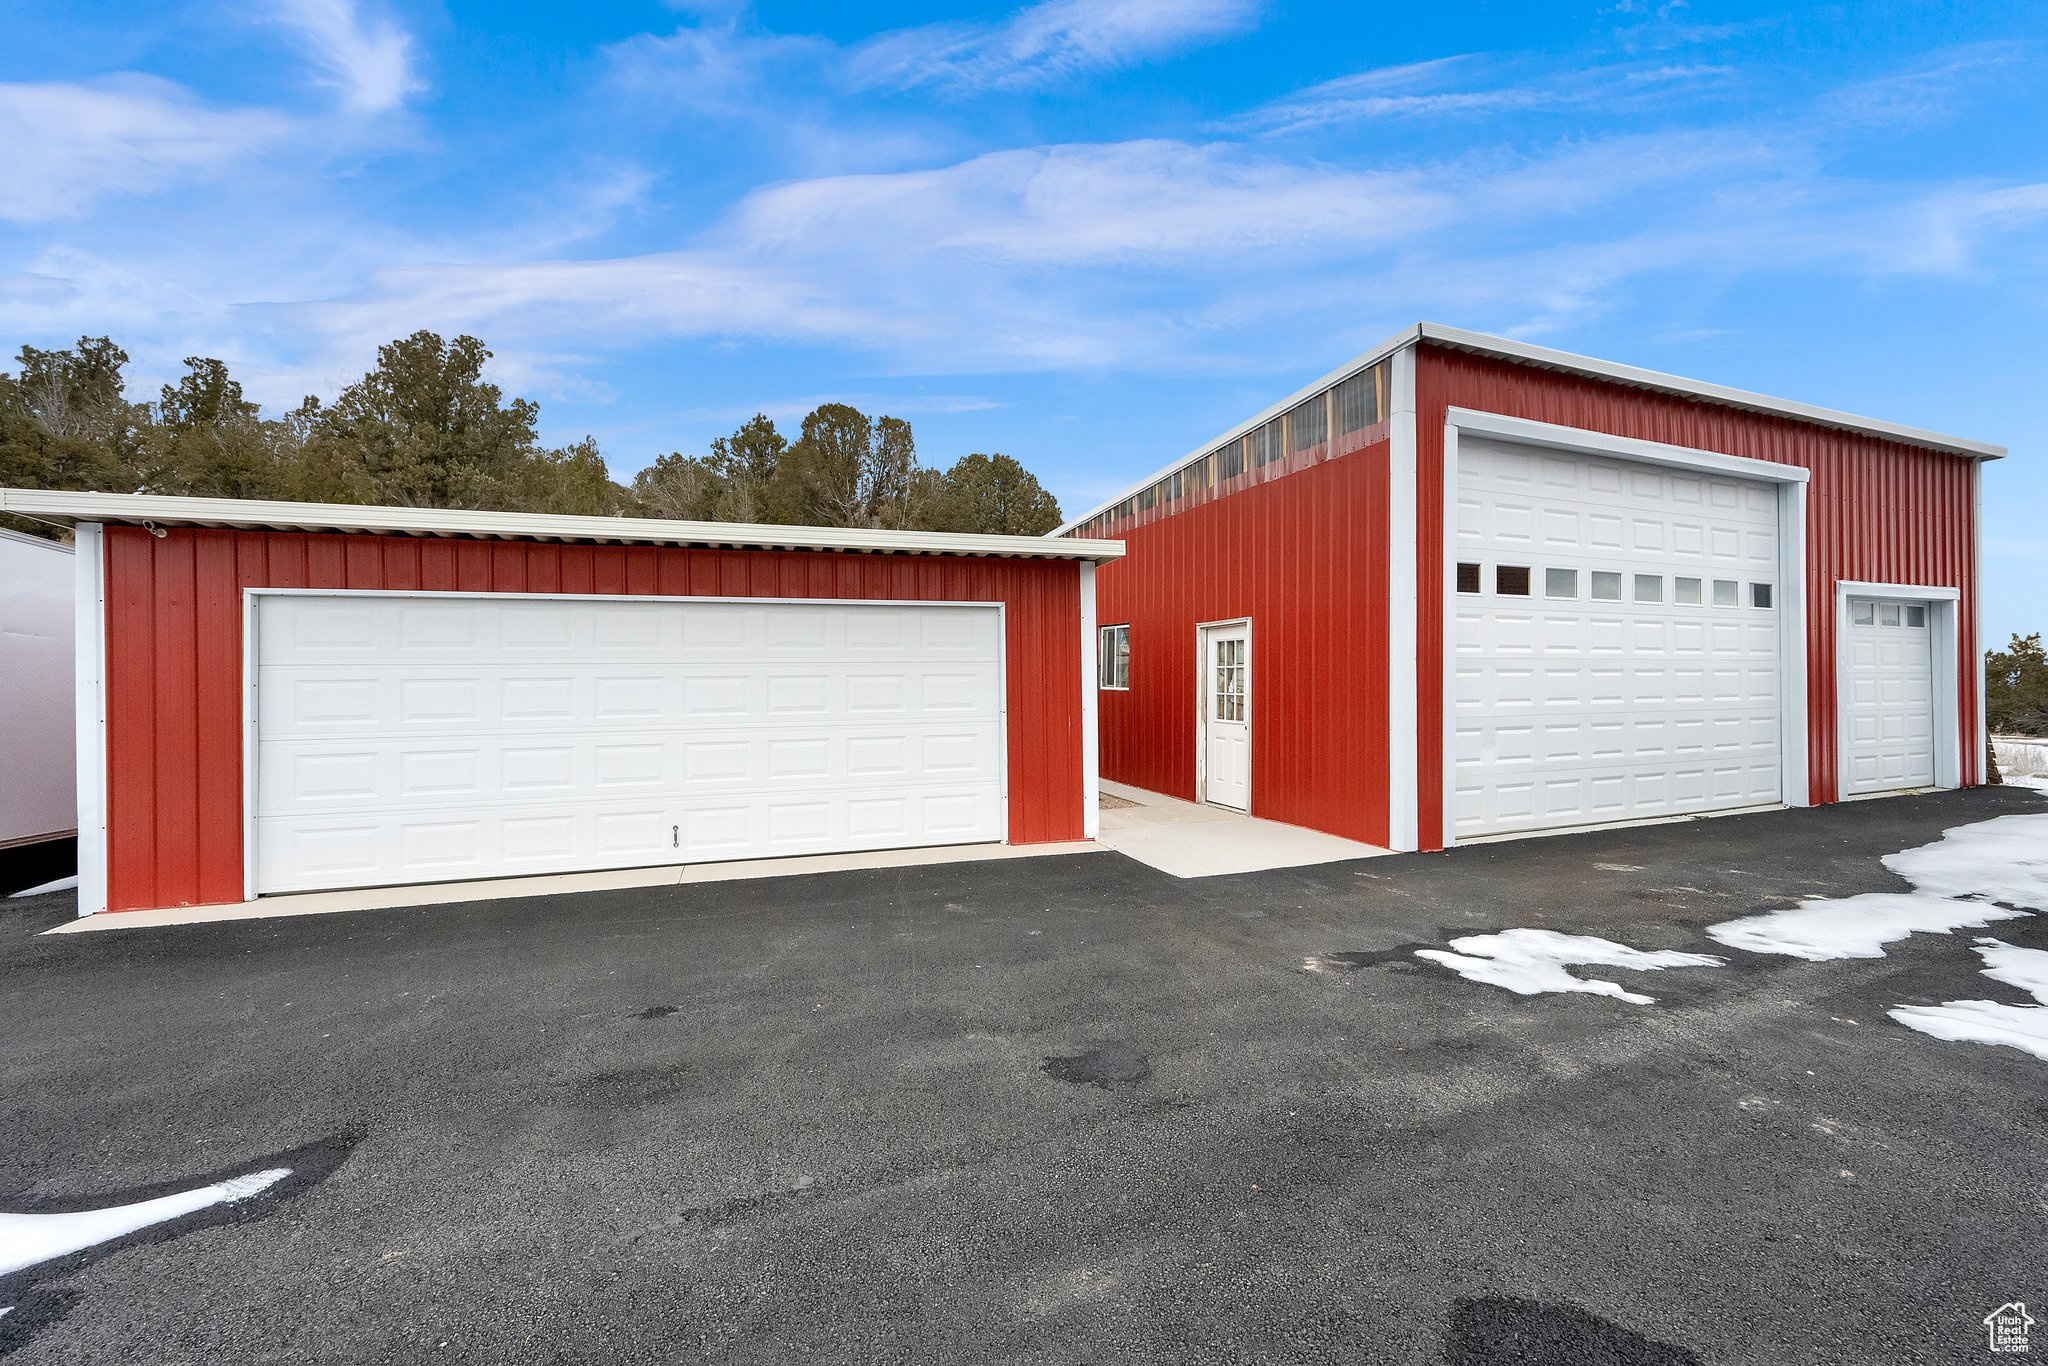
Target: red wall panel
174 663
1305 558
1877 510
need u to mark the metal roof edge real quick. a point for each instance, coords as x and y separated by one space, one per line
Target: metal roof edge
1529 353
1407 336
9 534
131 508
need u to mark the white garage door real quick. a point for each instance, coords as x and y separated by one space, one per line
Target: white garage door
1890 721
1616 641
418 739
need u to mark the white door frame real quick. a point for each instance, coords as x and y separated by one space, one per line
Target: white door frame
1202 630
1795 773
250 597
1944 640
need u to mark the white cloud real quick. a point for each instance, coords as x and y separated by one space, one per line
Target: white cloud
1134 256
1137 256
724 65
1046 43
1138 203
1474 86
716 68
368 60
1004 262
64 145
1388 92
1933 88
1941 231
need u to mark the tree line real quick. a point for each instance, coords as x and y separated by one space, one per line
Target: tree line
2016 687
424 428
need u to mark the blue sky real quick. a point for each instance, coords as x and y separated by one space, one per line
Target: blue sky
1089 233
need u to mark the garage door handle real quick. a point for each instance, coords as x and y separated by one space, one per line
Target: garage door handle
675 836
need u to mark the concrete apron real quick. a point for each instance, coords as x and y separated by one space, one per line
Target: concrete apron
1185 839
557 884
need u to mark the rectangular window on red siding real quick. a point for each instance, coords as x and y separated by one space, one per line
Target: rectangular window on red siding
1113 660
1358 404
1309 422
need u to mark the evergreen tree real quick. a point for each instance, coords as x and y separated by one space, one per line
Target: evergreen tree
424 428
2016 687
993 494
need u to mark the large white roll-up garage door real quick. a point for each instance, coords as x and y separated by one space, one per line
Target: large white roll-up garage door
1615 638
405 738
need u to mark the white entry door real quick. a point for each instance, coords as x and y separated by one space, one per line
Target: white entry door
1616 637
416 738
1227 716
1889 697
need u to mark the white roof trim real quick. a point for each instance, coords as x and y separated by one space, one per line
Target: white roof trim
7 534
279 516
1528 354
1265 415
1715 393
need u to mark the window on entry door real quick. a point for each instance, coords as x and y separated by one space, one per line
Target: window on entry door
1229 680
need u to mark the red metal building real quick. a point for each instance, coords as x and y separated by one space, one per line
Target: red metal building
282 698
1465 587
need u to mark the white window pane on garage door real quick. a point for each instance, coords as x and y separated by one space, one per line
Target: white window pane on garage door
1576 711
1888 698
413 739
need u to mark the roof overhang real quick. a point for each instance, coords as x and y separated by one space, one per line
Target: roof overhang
1523 353
244 514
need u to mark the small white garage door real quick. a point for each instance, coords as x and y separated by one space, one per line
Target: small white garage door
1890 696
1616 641
405 738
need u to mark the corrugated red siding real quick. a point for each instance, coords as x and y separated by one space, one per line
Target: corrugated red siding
1305 558
1877 510
174 663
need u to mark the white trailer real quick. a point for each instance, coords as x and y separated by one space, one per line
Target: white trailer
38 770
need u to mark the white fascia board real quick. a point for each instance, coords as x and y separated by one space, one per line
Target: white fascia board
1406 337
133 508
1459 338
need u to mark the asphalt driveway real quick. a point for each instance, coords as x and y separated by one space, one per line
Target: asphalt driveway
1065 1109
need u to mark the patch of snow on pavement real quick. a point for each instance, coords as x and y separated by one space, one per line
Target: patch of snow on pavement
2003 860
26 1239
1993 1022
1955 881
62 884
1530 962
1822 929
